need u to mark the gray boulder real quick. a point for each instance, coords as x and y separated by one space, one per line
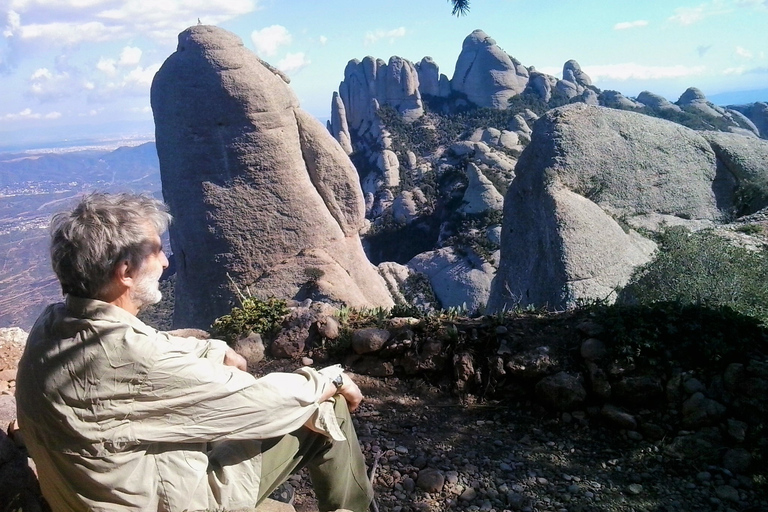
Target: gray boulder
695 99
575 81
573 73
746 158
480 195
586 169
260 191
615 99
758 114
371 83
485 74
456 280
542 84
430 78
339 127
656 102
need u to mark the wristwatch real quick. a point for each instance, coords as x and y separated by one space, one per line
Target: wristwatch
338 381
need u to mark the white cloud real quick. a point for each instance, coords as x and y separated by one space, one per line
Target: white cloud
68 34
632 71
130 56
743 70
743 52
46 85
134 82
141 77
372 37
106 20
323 40
293 62
12 25
268 40
107 66
690 15
624 25
28 114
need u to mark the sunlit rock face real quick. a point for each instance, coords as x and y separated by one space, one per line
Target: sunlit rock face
262 195
588 175
486 74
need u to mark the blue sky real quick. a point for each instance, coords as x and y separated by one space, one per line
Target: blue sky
74 69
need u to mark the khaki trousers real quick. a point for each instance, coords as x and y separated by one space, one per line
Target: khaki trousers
337 468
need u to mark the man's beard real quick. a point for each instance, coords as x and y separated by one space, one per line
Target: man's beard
147 289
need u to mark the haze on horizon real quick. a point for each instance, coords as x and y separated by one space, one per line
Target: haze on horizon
74 70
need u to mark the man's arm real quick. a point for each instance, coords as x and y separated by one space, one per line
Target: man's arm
200 342
348 390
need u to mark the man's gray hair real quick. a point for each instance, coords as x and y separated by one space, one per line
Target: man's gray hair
101 231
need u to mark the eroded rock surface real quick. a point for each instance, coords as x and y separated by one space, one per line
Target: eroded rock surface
260 191
586 171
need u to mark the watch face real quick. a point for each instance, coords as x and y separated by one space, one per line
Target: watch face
338 381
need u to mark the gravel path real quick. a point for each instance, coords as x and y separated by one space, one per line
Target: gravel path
436 453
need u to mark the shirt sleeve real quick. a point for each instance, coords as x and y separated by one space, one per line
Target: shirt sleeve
212 349
188 397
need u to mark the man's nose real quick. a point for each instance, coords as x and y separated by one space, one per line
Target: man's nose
164 259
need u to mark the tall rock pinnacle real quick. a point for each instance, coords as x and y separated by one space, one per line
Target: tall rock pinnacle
261 193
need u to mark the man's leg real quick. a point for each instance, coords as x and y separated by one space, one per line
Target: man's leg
337 468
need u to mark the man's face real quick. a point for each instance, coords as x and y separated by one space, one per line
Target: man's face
147 286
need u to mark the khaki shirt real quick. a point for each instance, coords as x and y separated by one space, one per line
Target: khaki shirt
119 416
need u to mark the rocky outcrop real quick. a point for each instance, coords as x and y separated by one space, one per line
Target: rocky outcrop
480 195
262 194
747 160
757 113
486 74
656 102
457 280
586 171
338 124
431 81
614 99
371 83
694 100
574 82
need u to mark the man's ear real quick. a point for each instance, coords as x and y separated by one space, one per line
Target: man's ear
123 273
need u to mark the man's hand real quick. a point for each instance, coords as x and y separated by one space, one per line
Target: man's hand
350 392
232 358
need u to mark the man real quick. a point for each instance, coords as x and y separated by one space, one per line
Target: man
119 416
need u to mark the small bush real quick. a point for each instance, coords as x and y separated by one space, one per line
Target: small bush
696 336
702 268
255 315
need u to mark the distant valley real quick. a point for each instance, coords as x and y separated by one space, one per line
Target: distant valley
34 186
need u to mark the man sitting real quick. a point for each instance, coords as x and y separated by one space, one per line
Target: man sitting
119 416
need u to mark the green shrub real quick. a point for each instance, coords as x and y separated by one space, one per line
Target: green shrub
750 229
696 336
255 315
702 268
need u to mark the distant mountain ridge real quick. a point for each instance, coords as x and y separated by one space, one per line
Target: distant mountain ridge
34 186
427 147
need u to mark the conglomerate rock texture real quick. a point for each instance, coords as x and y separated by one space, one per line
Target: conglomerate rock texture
586 175
262 195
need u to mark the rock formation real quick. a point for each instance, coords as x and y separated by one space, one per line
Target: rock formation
656 102
574 82
262 195
588 172
694 100
485 74
757 113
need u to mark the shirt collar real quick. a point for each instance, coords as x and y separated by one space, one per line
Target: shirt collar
95 309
